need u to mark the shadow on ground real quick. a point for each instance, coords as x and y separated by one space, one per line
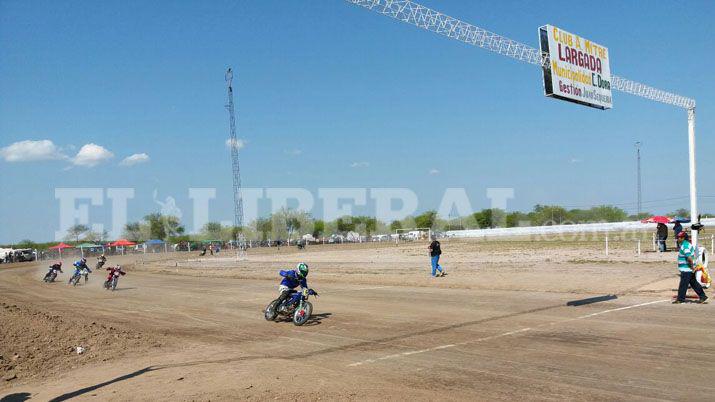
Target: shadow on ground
16 397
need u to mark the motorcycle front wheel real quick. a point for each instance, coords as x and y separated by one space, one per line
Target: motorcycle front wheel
302 315
270 313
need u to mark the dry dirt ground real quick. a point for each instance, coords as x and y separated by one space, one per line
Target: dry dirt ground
498 326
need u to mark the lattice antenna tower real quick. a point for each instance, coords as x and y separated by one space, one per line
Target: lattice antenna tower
235 165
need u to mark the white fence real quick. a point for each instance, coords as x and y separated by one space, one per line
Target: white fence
562 229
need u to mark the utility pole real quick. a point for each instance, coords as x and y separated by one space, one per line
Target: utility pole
237 199
638 185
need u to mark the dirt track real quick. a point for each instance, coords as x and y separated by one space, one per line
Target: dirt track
492 329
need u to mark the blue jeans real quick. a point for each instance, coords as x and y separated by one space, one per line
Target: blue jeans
435 265
661 245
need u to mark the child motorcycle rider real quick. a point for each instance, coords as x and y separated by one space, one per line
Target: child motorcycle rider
79 266
54 268
291 280
112 272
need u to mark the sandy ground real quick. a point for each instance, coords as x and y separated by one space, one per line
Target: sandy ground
497 327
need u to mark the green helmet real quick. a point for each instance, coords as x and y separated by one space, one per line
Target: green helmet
302 269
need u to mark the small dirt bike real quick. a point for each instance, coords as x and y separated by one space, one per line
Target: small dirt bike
113 279
74 280
295 305
111 283
50 276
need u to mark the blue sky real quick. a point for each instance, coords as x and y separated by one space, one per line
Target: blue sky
325 85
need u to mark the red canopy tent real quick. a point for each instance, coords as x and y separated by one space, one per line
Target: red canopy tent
122 243
657 219
61 247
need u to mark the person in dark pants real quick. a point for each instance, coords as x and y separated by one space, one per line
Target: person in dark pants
662 235
435 250
686 263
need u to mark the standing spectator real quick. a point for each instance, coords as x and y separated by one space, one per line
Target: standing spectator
662 235
686 263
435 250
677 228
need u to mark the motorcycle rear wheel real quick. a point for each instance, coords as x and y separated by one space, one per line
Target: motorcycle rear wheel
270 313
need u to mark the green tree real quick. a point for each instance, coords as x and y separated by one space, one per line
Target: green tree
516 219
607 213
292 225
26 243
548 215
172 226
133 232
95 237
76 231
491 218
264 226
156 226
681 212
212 230
426 220
162 227
640 216
395 225
345 224
370 225
231 232
365 224
318 228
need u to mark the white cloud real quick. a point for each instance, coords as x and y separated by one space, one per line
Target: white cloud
29 150
239 143
575 160
433 172
91 155
360 164
293 152
134 159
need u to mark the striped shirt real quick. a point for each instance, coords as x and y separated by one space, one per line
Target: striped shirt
686 250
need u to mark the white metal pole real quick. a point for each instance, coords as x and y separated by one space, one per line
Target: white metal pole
654 244
606 243
639 246
693 186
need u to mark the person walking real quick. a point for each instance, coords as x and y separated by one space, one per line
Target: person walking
686 264
662 235
435 250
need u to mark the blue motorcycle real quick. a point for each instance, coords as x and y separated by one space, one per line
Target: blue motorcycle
295 305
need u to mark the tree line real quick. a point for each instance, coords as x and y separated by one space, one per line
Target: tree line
291 224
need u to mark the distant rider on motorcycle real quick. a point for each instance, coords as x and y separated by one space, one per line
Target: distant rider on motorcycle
79 266
291 280
54 268
100 261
